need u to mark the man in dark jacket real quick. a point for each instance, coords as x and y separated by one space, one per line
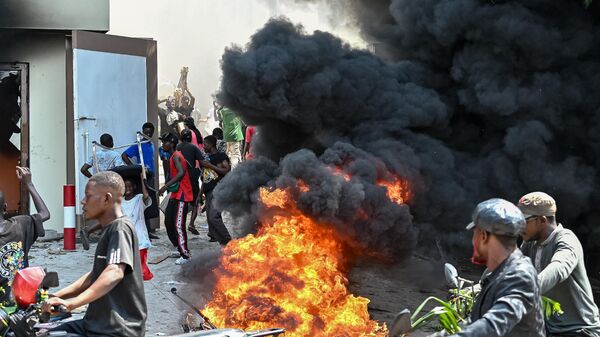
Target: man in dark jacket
558 257
509 303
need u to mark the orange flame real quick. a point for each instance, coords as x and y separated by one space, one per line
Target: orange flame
398 190
290 275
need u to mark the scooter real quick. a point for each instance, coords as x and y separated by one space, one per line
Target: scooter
26 319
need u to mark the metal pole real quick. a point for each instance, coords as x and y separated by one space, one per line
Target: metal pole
141 154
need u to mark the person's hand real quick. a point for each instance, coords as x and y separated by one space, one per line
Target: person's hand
24 174
162 190
205 163
51 305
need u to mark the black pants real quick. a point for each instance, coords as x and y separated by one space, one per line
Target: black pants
175 217
73 328
152 211
216 227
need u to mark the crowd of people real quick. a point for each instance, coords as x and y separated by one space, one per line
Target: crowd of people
192 166
121 199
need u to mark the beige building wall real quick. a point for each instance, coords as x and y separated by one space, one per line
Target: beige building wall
45 54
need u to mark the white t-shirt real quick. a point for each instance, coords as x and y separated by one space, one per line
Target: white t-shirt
134 209
106 159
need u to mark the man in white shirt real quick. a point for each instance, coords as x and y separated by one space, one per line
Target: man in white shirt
106 158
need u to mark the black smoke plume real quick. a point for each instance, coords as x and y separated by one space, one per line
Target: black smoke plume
466 99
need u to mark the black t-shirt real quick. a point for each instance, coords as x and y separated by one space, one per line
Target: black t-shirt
121 312
187 112
191 153
17 235
210 178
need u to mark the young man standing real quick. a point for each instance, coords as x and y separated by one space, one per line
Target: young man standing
215 168
18 234
106 158
180 186
114 288
558 257
193 157
151 212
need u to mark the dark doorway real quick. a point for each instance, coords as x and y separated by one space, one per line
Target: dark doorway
14 134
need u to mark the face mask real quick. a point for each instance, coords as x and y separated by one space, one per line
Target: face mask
474 258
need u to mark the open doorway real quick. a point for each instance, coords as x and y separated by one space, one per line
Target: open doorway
14 134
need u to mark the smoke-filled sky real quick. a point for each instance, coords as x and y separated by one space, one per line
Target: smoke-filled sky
468 99
195 33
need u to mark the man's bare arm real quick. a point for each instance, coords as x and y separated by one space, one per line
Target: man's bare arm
110 277
85 170
75 288
24 175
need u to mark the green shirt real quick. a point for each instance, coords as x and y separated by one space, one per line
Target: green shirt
563 278
232 126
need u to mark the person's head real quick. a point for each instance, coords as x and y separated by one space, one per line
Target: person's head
497 223
169 141
186 135
185 102
103 193
107 140
189 122
148 129
539 210
130 188
218 133
170 103
210 143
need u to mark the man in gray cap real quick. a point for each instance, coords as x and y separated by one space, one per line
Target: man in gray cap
509 303
558 258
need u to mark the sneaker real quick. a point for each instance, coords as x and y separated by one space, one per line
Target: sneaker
174 255
181 260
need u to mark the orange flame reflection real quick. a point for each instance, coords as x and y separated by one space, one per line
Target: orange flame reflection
290 275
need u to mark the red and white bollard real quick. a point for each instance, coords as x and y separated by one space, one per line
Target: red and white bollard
70 222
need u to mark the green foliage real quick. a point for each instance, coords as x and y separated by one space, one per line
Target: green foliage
550 307
457 309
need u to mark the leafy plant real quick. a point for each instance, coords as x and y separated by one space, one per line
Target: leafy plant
550 307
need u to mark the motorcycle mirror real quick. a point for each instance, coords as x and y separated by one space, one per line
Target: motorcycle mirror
451 275
50 280
401 324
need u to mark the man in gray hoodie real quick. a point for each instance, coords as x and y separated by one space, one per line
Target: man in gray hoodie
558 257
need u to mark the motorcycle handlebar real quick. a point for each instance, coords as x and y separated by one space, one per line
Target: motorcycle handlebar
60 309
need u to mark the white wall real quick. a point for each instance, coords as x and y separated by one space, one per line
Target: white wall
111 89
48 133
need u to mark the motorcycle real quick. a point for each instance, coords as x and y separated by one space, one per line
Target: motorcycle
455 310
26 319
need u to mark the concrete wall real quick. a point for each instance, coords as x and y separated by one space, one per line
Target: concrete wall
45 54
55 14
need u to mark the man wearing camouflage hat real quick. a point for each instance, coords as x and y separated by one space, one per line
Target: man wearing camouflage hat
509 303
558 257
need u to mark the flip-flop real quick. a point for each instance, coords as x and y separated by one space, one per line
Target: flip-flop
193 230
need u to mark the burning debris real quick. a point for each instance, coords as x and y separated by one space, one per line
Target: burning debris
475 99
